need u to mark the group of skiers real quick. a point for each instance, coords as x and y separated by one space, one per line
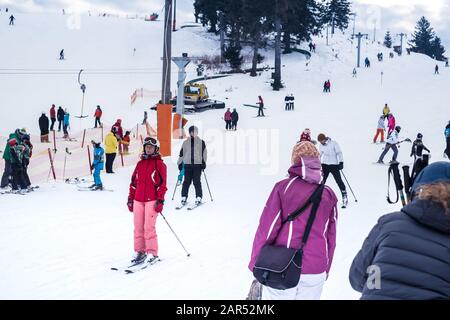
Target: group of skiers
231 119
63 117
17 154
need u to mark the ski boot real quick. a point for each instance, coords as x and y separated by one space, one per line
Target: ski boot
97 187
151 259
138 258
198 201
183 201
344 199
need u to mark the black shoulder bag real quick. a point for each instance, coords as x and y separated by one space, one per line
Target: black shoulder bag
279 267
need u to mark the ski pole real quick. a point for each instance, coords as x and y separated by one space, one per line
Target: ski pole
349 185
209 190
176 186
188 254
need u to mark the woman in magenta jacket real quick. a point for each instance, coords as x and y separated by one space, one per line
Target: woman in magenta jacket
287 196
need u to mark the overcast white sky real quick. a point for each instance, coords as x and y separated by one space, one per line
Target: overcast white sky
395 15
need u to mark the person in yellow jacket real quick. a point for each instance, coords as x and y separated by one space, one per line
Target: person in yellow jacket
111 144
386 111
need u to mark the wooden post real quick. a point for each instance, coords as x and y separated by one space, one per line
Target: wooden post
84 136
51 163
121 157
89 157
142 139
54 141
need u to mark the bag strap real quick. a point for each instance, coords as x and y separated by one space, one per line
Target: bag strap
315 200
296 213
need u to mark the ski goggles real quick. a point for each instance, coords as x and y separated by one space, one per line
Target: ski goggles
149 141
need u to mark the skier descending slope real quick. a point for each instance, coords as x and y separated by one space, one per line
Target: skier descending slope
287 196
332 162
146 200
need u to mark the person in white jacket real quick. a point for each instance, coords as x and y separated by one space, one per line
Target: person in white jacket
332 161
391 143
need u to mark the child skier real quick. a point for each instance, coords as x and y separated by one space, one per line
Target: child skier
126 142
146 200
380 130
97 165
391 123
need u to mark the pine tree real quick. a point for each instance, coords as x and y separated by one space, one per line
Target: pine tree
301 19
388 40
438 49
207 11
233 56
340 10
422 38
256 27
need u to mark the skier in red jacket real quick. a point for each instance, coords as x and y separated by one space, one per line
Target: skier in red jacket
98 115
146 200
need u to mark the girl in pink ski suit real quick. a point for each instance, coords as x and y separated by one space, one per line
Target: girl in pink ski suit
391 123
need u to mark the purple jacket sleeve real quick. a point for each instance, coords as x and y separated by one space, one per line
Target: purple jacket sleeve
331 236
269 225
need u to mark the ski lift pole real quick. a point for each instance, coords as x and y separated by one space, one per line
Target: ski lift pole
83 89
65 158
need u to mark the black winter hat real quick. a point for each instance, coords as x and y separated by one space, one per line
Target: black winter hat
193 129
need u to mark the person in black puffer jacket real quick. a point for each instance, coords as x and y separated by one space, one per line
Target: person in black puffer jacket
407 254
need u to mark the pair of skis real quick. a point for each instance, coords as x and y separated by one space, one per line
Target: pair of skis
133 268
92 189
189 207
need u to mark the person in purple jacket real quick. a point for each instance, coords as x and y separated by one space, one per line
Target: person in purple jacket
287 196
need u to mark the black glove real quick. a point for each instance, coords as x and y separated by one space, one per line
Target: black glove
92 167
341 165
203 166
180 166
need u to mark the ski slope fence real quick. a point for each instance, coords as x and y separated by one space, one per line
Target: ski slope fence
72 157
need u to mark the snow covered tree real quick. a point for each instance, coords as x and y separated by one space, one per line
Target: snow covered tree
337 13
422 37
388 40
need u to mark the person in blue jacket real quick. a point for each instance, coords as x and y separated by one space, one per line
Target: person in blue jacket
97 165
66 124
447 138
406 256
